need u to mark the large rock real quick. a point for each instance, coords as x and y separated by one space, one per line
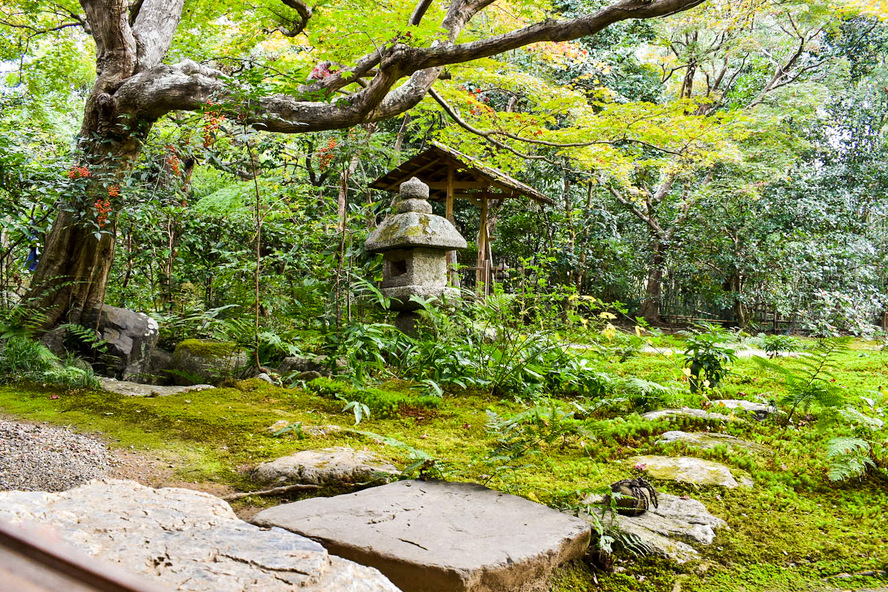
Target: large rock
707 441
197 361
430 536
688 469
129 339
186 540
304 364
335 466
669 527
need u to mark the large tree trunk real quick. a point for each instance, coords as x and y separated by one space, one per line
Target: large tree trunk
653 291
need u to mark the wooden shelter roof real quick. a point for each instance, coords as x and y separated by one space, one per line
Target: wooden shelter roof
470 176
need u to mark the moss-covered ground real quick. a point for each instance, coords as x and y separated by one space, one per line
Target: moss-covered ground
795 530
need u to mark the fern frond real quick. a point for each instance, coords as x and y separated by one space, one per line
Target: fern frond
848 458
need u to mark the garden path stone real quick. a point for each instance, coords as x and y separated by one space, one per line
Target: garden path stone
434 536
688 412
706 440
669 527
338 465
760 411
135 389
688 469
186 540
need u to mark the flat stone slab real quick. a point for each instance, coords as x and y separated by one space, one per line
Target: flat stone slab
707 441
329 466
759 410
434 536
687 469
186 540
135 389
688 412
668 528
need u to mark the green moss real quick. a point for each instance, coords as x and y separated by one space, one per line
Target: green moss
206 348
793 531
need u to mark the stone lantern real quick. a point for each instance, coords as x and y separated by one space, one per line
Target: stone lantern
414 244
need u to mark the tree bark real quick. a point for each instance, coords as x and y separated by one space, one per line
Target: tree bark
653 291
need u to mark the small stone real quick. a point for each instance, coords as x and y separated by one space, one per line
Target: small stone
688 412
668 527
413 189
330 466
706 440
688 469
760 411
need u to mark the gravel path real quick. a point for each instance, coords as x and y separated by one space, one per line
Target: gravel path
47 458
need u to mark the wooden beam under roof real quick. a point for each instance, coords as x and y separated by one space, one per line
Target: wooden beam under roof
432 165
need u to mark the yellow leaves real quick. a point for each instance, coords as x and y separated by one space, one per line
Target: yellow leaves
871 8
609 332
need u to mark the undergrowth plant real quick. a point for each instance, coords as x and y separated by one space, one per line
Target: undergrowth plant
812 380
707 360
864 450
24 359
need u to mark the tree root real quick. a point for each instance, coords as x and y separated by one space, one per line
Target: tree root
272 491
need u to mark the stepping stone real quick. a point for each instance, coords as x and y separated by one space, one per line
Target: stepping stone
688 412
135 389
706 440
434 536
668 528
687 469
186 540
330 466
761 411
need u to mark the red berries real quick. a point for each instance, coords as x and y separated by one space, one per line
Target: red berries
172 158
78 172
103 208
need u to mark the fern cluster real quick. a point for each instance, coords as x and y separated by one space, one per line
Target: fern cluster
24 359
813 381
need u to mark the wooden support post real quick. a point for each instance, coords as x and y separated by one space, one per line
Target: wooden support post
481 276
452 275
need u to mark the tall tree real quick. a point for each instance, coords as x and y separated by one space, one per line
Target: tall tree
134 88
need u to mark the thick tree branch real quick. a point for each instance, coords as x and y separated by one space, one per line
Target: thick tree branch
163 89
289 27
153 28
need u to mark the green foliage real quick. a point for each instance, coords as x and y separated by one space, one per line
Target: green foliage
706 359
848 458
812 381
24 359
774 344
364 400
360 410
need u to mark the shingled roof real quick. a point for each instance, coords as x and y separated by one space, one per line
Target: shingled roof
470 176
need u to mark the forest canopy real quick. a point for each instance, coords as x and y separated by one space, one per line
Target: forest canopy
717 160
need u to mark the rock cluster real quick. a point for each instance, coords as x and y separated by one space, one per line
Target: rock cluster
186 540
669 527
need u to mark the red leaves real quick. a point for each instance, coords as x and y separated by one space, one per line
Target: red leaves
325 154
